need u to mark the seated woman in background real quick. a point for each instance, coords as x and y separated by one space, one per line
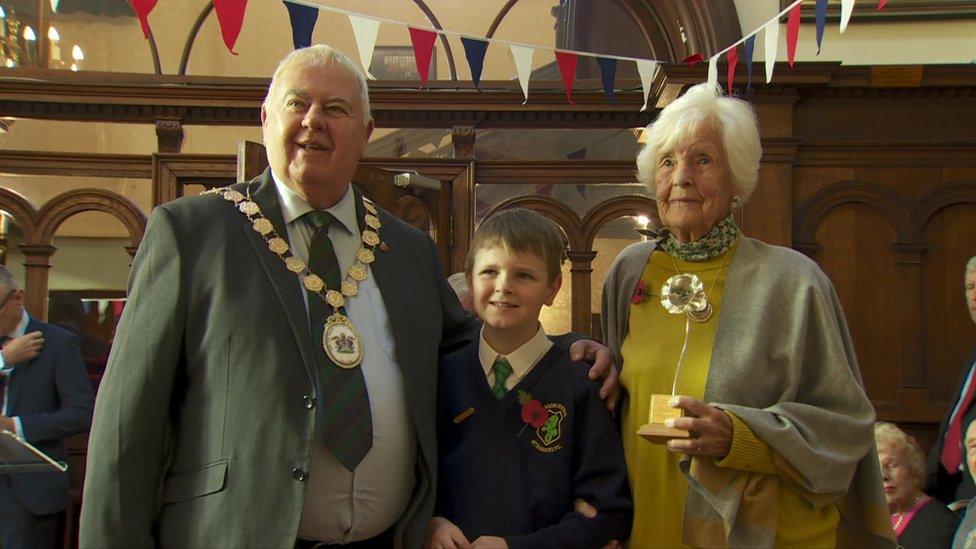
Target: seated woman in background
917 519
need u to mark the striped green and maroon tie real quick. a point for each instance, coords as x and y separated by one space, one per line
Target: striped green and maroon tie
348 425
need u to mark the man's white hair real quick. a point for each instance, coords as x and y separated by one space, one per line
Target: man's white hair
971 265
318 55
704 105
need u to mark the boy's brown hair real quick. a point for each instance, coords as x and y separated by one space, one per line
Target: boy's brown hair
522 231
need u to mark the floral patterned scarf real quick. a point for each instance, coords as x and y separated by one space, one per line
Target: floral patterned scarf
713 244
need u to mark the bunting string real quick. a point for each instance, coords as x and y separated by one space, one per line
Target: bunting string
303 15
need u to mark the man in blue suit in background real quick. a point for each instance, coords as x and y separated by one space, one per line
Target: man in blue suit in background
45 396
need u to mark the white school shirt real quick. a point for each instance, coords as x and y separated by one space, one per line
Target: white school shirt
522 360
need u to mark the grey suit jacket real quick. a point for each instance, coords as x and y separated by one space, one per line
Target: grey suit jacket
53 398
201 421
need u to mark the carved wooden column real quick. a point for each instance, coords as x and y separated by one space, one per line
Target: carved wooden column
768 216
909 257
37 267
581 270
169 136
463 140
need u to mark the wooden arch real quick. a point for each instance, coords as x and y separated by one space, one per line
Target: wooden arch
929 203
612 209
39 227
581 232
76 201
20 210
553 209
813 210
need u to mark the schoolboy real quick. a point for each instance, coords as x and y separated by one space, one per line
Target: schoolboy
522 432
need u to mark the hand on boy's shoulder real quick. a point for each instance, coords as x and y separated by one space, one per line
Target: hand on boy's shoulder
602 368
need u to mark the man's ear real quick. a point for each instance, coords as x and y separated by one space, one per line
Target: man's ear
370 126
264 113
554 289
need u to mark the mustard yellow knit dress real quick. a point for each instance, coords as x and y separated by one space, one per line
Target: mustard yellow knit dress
650 353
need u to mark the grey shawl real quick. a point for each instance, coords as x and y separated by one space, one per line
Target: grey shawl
783 362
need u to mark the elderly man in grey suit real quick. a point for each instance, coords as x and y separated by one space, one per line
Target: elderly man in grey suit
272 382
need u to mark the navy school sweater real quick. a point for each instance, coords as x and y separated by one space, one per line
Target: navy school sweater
496 478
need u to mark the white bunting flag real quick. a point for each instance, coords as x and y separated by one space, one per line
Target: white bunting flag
713 72
646 70
365 30
772 42
523 64
846 9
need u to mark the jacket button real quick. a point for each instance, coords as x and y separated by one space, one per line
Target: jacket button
309 402
298 474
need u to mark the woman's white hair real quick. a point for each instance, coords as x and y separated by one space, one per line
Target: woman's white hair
971 265
700 106
318 55
888 434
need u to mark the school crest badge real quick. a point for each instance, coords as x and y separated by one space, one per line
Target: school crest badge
547 437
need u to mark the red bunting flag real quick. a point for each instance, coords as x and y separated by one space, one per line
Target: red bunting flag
423 48
792 33
142 9
732 56
693 59
567 68
882 4
230 17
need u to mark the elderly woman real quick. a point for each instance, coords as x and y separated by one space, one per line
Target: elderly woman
782 452
918 520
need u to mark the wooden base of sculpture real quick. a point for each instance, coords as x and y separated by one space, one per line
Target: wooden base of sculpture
655 431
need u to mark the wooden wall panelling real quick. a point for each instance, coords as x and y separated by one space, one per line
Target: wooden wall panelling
767 215
171 172
855 226
944 219
856 252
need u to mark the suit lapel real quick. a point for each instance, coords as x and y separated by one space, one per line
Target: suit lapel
388 270
284 283
16 379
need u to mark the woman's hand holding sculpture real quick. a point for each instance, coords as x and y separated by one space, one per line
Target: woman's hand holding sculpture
710 428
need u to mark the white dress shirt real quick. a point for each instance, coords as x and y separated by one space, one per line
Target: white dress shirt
522 360
20 330
343 506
